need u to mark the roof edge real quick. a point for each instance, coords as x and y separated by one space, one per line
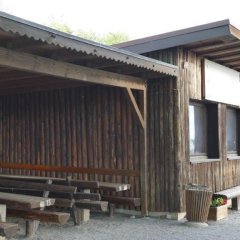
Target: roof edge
223 25
22 27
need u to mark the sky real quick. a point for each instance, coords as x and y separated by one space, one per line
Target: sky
137 18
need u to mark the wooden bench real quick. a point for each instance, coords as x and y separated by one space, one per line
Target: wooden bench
82 198
62 190
119 200
19 201
17 204
25 203
233 194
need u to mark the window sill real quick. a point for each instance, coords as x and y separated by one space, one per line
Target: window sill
195 160
231 158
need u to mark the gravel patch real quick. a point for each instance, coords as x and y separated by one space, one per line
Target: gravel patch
123 227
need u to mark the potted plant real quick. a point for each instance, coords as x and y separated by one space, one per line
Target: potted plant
218 208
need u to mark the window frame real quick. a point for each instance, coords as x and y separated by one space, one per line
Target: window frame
233 155
202 106
212 139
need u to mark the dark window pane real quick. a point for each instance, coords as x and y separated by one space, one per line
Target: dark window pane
198 129
231 131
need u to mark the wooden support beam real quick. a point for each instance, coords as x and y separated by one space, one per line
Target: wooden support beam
130 201
216 47
116 187
134 106
92 205
37 186
83 204
77 196
62 181
43 216
120 172
64 203
36 64
144 161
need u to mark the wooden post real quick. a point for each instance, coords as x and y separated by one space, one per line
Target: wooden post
32 225
2 216
2 213
143 166
81 215
111 207
236 203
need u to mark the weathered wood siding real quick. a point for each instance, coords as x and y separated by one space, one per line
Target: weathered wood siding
162 139
216 175
90 127
162 169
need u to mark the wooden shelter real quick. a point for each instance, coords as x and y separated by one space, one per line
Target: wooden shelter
69 106
193 122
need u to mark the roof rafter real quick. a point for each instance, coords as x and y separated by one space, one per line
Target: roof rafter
41 65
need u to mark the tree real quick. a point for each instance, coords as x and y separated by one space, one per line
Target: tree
60 27
108 39
115 37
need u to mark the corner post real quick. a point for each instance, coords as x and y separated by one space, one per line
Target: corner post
143 166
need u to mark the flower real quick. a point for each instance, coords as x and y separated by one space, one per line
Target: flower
218 201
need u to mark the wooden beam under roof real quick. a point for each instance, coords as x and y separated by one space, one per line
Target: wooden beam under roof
234 63
216 47
222 53
227 58
41 65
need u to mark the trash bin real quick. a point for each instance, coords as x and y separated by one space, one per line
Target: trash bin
198 200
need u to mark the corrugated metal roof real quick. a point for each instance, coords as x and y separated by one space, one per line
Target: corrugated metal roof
21 27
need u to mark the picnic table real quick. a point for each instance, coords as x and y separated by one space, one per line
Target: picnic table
16 202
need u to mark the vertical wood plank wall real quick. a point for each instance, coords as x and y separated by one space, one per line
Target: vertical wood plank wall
80 127
163 193
162 139
216 175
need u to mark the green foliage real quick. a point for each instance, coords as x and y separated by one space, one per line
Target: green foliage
115 37
219 201
108 39
61 27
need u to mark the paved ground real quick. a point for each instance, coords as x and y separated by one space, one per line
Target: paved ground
122 227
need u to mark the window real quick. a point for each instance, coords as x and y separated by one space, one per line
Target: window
203 132
198 130
232 132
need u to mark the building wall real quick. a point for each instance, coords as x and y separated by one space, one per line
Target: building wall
163 175
93 127
90 127
216 175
